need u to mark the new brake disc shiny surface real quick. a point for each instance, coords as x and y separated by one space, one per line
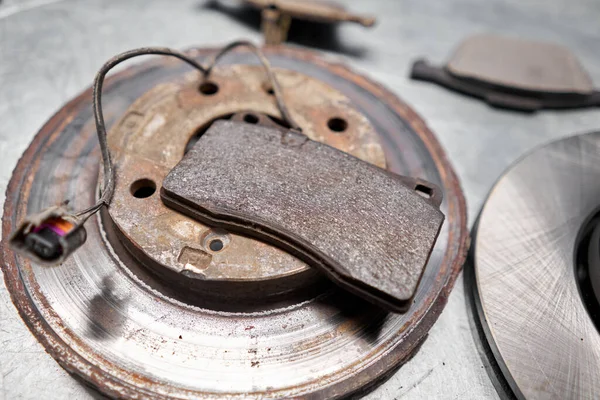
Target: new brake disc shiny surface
525 250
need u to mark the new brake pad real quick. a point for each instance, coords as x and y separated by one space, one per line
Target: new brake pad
514 73
359 224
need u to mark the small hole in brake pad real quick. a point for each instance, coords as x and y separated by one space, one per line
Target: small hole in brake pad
361 225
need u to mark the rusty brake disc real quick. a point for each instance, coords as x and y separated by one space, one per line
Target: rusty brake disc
111 314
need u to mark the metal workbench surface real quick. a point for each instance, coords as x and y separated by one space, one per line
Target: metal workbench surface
50 50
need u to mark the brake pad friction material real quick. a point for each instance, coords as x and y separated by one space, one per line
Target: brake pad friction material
523 64
361 225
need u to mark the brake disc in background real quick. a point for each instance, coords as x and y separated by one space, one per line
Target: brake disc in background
536 265
115 316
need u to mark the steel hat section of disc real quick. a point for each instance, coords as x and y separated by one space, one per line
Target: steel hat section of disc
104 324
528 297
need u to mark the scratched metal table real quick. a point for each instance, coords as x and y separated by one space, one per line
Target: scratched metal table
50 50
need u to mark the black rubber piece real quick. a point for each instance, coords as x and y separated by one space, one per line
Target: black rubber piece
44 243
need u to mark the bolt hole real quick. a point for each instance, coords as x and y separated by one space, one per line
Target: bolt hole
424 191
208 88
251 119
337 124
216 245
143 188
270 92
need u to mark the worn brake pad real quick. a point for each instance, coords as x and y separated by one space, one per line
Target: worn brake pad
361 225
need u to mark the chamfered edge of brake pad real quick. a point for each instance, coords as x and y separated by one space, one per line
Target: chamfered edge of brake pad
360 224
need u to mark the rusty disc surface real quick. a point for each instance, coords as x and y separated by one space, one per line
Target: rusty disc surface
115 327
151 138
